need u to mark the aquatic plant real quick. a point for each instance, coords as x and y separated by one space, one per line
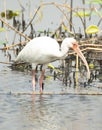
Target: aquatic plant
9 14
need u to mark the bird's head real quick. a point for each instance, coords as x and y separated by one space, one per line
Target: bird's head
72 43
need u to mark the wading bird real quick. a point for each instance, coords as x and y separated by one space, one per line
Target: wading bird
43 50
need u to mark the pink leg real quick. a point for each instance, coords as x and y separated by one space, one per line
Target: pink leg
33 79
41 80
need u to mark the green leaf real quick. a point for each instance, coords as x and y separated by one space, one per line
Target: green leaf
16 13
10 14
92 29
2 29
94 1
82 14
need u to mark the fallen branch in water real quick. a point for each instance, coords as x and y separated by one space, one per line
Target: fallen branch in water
13 45
55 93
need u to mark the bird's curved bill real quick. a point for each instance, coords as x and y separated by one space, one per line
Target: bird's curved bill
80 54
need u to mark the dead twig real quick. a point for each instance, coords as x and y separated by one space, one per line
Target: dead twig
32 19
7 24
13 45
5 63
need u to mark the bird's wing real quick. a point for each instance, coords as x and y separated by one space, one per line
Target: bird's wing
39 50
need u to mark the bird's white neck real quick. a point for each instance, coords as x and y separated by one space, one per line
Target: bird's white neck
64 50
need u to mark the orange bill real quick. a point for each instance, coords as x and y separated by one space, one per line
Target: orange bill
80 54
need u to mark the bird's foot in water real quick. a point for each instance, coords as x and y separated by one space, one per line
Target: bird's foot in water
33 89
41 88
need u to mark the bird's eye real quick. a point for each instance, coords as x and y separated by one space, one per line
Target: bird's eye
75 45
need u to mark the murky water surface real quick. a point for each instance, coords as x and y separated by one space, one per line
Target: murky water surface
44 112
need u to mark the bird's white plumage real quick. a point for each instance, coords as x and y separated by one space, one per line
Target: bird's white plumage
43 50
40 50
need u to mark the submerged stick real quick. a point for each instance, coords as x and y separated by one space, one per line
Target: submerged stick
54 93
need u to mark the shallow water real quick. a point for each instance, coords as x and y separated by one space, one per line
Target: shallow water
47 112
44 112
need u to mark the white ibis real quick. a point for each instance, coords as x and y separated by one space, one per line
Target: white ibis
43 50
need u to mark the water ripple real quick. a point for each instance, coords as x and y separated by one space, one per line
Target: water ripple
45 112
